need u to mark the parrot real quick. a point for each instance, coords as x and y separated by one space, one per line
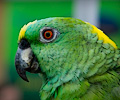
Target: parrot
74 59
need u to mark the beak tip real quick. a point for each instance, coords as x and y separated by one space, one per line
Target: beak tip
22 73
24 78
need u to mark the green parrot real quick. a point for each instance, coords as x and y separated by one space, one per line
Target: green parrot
75 60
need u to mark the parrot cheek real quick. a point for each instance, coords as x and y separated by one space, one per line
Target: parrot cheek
25 60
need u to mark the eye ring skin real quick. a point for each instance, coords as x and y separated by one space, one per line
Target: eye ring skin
55 35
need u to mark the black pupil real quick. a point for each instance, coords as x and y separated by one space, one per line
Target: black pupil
48 34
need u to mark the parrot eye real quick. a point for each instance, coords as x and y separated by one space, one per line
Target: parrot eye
48 34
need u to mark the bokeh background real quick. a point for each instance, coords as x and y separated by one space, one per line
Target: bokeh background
105 14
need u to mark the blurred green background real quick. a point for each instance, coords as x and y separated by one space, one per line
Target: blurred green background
16 13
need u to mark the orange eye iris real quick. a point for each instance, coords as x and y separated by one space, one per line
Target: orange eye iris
48 34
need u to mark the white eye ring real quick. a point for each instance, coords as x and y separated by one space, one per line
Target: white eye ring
54 31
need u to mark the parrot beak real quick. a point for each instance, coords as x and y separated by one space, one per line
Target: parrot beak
25 60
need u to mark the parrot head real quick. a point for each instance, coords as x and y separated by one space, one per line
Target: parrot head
57 48
46 46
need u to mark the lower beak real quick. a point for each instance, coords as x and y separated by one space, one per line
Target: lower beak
25 60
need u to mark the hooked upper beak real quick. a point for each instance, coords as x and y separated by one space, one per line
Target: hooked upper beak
25 60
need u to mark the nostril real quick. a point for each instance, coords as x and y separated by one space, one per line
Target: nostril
24 44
